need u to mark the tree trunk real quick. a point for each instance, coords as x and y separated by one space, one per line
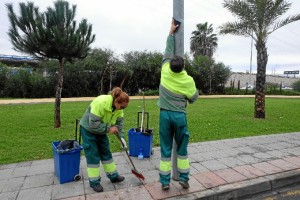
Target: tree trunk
262 60
58 93
123 81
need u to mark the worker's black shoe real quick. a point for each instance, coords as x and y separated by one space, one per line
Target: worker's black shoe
118 179
97 188
184 184
165 187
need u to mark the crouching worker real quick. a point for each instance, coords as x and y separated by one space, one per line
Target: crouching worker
103 116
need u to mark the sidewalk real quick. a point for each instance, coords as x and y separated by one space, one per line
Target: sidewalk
224 169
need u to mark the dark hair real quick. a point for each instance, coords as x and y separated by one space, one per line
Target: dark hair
119 96
177 64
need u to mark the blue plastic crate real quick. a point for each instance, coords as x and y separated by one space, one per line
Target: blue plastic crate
66 166
139 143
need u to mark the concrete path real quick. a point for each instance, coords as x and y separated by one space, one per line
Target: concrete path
225 169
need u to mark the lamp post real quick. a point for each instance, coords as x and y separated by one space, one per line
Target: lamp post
178 14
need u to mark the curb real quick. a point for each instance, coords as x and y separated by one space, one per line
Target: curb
246 188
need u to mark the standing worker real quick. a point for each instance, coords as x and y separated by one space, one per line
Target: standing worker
104 115
175 90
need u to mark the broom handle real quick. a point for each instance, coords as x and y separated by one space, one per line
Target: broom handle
119 137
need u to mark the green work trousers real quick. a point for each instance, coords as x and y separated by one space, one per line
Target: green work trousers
96 149
173 125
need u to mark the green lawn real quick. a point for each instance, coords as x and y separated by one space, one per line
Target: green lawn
27 130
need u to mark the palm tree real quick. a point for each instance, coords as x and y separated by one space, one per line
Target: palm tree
260 17
52 34
203 41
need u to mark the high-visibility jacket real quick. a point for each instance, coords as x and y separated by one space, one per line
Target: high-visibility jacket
176 89
100 116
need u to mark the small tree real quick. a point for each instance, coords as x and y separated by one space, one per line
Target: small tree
53 34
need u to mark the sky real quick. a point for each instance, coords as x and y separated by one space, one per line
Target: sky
143 25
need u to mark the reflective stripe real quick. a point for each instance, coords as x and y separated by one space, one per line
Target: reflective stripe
93 165
165 159
94 178
109 168
182 157
183 164
165 173
93 172
165 166
107 161
184 170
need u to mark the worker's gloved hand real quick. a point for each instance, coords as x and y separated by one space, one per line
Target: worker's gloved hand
124 143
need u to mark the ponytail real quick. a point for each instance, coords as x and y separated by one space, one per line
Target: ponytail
119 96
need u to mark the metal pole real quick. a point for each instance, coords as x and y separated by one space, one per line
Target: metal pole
178 14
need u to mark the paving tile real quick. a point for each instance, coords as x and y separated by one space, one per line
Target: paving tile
293 151
295 160
111 195
130 181
75 198
24 164
209 179
41 193
8 166
230 176
135 193
198 167
20 171
6 173
267 168
2 184
40 169
38 181
13 184
151 176
278 154
124 168
247 149
249 171
263 156
9 195
283 164
248 159
213 165
205 147
199 157
71 189
105 182
231 161
157 193
195 186
192 150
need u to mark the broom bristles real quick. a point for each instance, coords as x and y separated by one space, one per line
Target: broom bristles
137 174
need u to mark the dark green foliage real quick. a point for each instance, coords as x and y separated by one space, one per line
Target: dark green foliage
296 86
145 71
209 76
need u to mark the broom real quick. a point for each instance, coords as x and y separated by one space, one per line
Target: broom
134 171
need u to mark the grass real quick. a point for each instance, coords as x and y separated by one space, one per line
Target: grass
27 130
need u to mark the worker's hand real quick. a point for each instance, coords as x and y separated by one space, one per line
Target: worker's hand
113 130
173 27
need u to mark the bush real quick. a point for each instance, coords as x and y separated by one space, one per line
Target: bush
296 86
